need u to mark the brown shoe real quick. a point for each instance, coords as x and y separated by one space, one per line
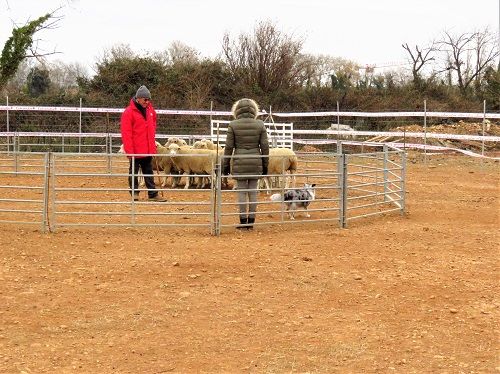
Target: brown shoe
157 199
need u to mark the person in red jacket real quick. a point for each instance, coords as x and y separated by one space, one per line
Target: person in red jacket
138 129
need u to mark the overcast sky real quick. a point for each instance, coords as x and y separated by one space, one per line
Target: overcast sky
365 31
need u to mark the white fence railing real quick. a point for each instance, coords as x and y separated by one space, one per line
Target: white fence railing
477 115
279 134
284 136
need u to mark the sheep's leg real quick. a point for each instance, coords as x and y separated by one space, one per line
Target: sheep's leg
290 210
192 181
175 175
287 181
164 178
203 182
200 182
186 174
262 183
176 180
292 177
266 183
277 182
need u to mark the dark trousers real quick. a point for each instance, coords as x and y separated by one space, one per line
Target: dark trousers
247 200
143 163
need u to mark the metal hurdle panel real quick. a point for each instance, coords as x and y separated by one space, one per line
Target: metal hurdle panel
84 191
24 188
319 168
374 183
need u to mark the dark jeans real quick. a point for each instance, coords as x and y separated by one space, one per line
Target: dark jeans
143 163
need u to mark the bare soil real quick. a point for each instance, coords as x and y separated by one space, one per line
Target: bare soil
405 294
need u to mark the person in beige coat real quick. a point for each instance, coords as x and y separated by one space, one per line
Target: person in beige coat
246 143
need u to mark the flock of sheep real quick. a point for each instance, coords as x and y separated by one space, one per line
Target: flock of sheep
176 160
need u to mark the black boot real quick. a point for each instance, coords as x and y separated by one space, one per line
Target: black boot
251 221
242 225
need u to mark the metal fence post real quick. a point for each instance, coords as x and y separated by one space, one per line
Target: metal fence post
342 169
484 123
15 149
133 188
109 151
338 119
45 209
7 113
216 200
386 172
403 182
52 191
425 132
80 129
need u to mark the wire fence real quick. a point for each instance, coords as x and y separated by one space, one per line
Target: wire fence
85 127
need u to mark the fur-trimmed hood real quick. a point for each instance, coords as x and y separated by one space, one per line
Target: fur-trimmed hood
245 108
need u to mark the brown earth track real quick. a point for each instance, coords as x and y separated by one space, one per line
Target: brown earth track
412 294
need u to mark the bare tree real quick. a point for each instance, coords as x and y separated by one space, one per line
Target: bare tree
120 51
180 52
317 70
63 75
419 58
469 54
268 59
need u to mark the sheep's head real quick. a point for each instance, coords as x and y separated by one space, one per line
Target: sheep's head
173 149
210 144
174 140
200 144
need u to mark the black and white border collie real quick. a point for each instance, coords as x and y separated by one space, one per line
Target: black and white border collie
297 198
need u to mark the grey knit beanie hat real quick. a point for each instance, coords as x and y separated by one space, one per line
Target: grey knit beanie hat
143 92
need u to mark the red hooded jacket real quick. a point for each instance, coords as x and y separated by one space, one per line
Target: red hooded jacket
138 134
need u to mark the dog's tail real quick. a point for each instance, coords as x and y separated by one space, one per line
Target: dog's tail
276 197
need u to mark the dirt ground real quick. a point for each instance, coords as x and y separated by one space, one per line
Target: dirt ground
404 294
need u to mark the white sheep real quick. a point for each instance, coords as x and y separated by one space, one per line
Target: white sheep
200 144
163 163
211 145
281 160
174 140
190 160
340 127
